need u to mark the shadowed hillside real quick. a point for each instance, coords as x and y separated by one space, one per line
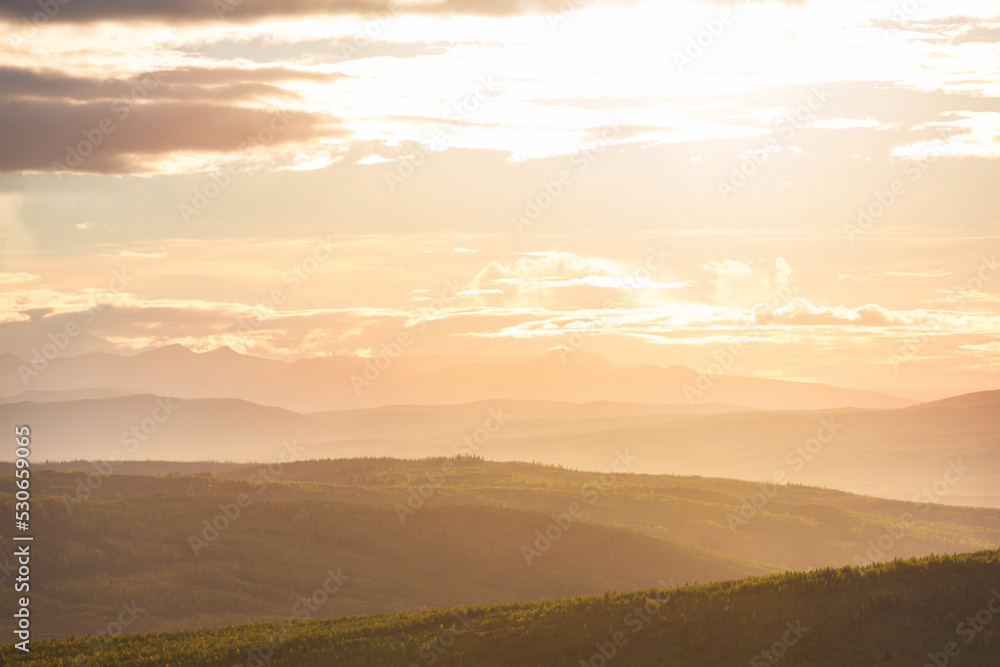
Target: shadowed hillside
894 615
435 532
200 552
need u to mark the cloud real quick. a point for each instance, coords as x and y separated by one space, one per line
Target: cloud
783 274
937 273
54 121
869 277
189 83
700 321
992 346
252 10
373 159
974 296
962 133
127 321
950 29
741 284
18 277
525 302
48 135
880 103
800 312
537 279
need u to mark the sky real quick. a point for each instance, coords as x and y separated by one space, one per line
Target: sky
811 184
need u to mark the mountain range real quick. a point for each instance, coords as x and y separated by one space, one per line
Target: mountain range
342 382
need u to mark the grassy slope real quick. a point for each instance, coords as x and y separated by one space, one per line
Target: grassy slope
122 548
885 615
798 527
129 541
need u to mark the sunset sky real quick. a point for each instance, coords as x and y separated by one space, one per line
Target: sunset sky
816 180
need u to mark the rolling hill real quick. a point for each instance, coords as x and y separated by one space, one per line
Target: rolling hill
438 532
201 554
894 615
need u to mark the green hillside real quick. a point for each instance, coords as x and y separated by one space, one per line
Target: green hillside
895 614
156 548
791 526
788 527
432 533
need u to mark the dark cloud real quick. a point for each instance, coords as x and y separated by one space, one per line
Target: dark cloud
214 75
222 84
317 51
248 10
120 137
115 125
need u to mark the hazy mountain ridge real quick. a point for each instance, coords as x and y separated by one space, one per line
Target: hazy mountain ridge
897 453
331 383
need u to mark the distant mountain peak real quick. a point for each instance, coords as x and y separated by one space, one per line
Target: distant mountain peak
171 350
225 351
